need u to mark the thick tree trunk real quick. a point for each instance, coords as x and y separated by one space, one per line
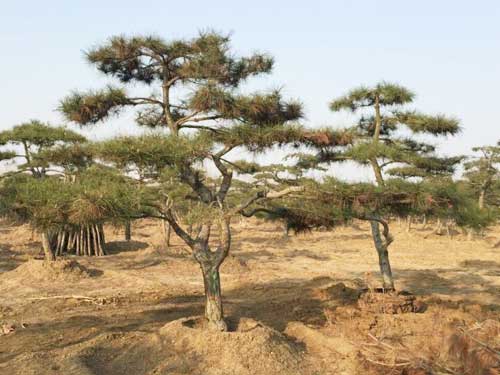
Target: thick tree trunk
209 262
213 303
128 231
47 247
383 257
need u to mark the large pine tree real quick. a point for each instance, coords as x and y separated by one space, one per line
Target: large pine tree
201 116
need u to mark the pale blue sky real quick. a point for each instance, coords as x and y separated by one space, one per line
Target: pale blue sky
448 52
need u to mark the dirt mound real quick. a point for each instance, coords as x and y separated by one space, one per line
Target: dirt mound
59 270
251 348
338 292
390 302
184 346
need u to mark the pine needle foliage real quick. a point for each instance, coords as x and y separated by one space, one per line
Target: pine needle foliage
203 72
377 136
482 173
52 204
36 140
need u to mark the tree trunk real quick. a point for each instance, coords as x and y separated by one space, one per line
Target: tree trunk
209 262
213 303
47 247
408 224
128 231
378 172
167 229
85 240
286 229
439 227
481 199
383 257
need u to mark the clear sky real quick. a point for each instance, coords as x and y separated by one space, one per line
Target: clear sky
448 52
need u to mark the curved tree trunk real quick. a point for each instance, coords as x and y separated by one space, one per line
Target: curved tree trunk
209 262
383 256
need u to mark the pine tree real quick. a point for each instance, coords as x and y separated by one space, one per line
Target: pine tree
377 142
53 205
483 171
195 87
34 139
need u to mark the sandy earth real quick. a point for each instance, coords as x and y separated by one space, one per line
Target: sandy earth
292 305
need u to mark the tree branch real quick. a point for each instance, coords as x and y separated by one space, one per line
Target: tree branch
385 232
265 195
227 177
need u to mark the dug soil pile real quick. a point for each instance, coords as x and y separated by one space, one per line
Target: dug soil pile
36 271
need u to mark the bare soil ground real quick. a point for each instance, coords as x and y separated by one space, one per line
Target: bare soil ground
302 305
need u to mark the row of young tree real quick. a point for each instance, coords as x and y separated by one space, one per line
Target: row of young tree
188 170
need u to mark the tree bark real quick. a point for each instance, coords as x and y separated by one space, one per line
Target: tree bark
128 231
213 298
47 247
378 172
383 257
167 229
481 199
85 240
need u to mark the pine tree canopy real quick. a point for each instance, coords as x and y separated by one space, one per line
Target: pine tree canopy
422 123
384 93
37 140
148 59
39 134
331 202
194 84
378 136
71 157
50 203
483 174
154 152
